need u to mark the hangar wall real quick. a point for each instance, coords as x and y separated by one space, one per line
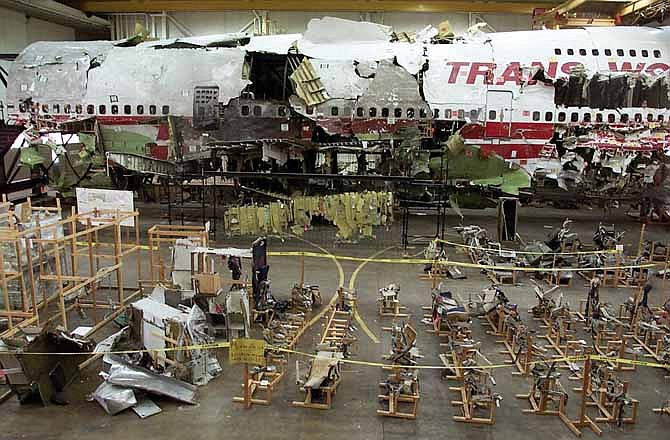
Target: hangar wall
203 23
17 31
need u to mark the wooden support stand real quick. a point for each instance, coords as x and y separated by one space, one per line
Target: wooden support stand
323 379
401 390
260 380
541 397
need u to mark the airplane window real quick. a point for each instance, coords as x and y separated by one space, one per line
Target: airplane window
610 118
638 117
422 113
548 116
397 112
595 52
90 109
619 52
660 118
281 111
56 108
166 109
587 117
436 113
385 112
359 112
102 109
574 117
599 117
45 108
582 52
447 113
334 111
557 51
608 52
461 114
67 108
309 110
372 112
140 109
258 110
78 109
127 109
561 117
624 117
474 114
152 109
657 53
645 53
632 52
571 52
492 115
245 110
536 116
115 109
650 117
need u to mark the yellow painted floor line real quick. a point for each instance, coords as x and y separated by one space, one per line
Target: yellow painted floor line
340 271
352 285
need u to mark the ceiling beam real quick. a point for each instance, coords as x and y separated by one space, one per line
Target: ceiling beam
113 6
635 6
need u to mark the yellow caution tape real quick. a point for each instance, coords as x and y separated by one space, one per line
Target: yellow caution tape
457 263
487 249
216 345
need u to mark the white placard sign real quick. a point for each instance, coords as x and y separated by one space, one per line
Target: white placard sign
89 199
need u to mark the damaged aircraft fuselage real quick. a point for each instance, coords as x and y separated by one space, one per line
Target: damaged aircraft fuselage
530 97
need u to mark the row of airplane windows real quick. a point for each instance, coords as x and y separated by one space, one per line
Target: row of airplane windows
587 117
372 112
644 53
102 109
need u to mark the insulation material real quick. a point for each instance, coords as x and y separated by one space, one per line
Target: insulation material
354 214
257 220
481 167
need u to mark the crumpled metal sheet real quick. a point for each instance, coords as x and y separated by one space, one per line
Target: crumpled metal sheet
125 375
136 74
54 71
279 44
114 399
391 86
232 39
339 78
338 39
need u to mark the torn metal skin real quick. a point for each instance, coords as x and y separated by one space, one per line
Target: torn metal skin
244 103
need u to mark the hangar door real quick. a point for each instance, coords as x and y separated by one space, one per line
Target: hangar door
498 114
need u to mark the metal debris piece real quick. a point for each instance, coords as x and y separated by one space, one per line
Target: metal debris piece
114 399
146 408
139 378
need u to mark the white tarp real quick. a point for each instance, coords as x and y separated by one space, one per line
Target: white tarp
89 199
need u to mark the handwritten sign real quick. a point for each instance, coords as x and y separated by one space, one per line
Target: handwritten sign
248 351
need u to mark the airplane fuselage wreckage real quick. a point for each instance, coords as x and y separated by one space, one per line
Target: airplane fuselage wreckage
579 112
